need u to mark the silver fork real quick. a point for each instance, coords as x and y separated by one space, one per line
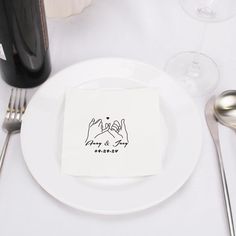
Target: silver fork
13 118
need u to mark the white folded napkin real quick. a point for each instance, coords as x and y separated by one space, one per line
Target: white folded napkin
111 133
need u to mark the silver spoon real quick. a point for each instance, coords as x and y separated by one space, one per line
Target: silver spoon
225 108
210 113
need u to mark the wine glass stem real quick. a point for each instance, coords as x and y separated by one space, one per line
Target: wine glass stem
194 69
203 36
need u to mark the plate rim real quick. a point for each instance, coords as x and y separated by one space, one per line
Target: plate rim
133 210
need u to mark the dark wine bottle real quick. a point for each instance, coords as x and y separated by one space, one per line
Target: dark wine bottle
24 47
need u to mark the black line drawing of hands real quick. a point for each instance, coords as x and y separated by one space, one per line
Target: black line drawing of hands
119 131
107 127
95 129
123 131
114 131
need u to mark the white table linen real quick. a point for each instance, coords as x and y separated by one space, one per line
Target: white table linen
151 31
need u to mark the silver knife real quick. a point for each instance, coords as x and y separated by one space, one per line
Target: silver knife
213 127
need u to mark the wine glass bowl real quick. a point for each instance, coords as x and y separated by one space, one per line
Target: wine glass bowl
210 10
197 72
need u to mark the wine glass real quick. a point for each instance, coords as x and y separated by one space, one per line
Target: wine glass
198 72
209 10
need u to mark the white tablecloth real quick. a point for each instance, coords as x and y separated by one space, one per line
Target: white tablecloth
150 31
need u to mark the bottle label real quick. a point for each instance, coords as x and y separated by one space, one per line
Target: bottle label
2 54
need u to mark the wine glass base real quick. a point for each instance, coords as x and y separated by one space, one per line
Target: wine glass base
195 71
210 10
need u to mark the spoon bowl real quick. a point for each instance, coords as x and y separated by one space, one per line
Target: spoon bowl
225 108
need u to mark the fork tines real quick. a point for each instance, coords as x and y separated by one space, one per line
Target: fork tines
17 104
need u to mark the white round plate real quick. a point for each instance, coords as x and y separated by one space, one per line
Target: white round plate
42 131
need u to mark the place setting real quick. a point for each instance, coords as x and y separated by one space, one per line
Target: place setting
109 135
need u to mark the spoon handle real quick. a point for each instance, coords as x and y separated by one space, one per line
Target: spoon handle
213 127
225 190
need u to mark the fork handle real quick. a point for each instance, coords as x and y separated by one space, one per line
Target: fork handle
4 150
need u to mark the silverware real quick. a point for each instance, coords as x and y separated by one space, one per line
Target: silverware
213 127
12 122
225 108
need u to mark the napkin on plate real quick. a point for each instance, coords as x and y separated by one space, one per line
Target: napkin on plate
111 133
